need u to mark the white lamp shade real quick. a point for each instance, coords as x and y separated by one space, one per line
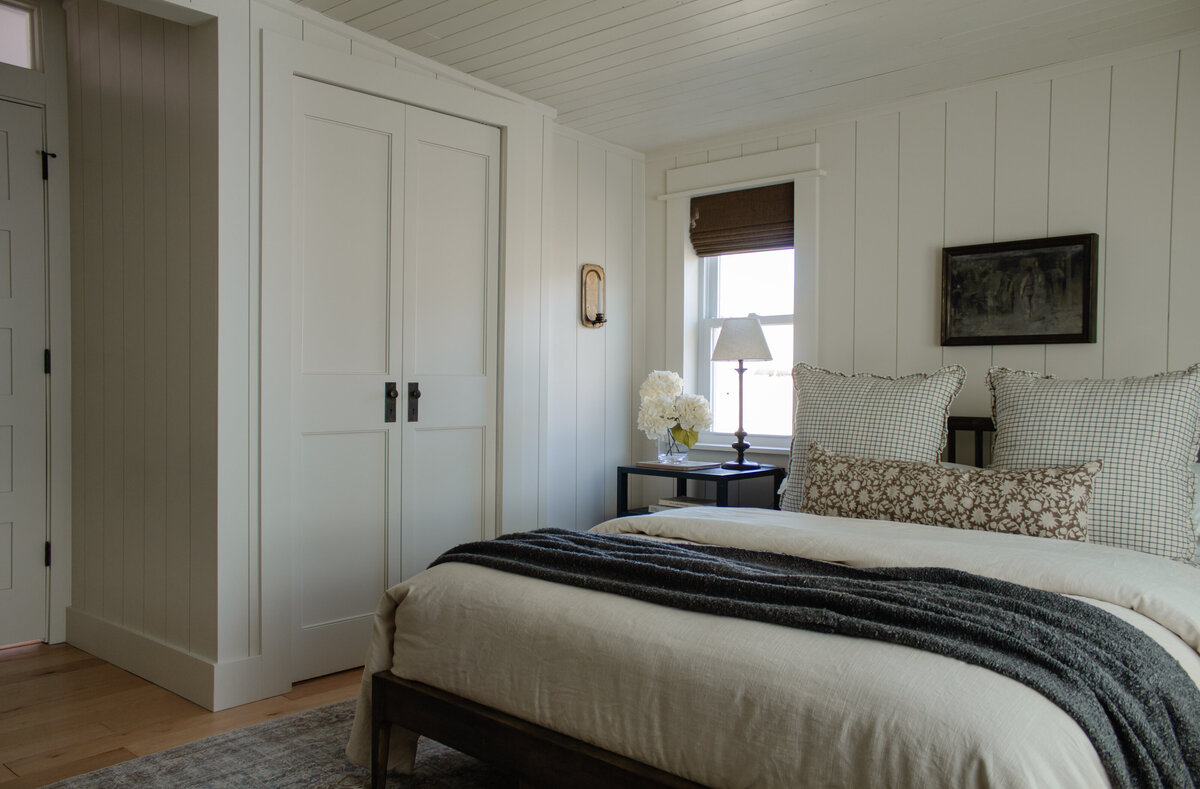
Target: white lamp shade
741 339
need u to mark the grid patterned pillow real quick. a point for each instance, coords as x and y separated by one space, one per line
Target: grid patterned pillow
1049 501
1146 430
869 416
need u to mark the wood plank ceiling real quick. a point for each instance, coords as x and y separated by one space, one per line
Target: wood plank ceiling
659 74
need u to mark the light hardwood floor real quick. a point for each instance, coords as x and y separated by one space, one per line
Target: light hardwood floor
65 712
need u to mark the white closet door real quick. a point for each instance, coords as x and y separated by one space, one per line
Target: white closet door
451 301
394 281
348 205
23 602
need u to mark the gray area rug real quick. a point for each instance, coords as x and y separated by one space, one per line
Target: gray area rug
303 750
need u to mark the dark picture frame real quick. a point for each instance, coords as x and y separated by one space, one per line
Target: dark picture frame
1037 290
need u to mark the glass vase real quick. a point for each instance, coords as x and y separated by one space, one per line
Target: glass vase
670 450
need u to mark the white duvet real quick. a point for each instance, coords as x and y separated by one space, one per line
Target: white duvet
731 703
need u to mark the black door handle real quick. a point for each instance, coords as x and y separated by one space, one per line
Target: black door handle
414 394
390 395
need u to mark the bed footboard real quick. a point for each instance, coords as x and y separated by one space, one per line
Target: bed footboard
536 756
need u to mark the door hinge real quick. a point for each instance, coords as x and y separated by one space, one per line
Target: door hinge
46 157
47 553
46 361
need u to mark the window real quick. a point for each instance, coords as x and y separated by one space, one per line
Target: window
17 29
744 239
733 286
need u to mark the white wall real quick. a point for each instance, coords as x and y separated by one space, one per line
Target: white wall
1110 146
142 105
592 214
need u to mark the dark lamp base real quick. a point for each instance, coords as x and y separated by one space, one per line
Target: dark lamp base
742 465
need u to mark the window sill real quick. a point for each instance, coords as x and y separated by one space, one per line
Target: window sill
728 450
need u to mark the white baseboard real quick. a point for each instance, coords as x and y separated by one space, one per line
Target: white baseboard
214 686
248 679
164 665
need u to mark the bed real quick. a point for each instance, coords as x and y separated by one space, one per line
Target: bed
562 685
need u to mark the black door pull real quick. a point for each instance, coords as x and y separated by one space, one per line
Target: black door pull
390 395
414 394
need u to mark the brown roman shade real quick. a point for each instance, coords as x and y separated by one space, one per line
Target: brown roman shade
748 220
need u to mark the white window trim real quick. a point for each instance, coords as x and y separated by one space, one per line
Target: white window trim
682 302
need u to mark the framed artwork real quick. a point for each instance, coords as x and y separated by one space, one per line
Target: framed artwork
1039 290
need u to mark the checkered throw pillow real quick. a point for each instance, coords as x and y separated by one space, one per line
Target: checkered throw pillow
1146 430
869 416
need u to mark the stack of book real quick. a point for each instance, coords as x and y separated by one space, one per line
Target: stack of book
679 465
676 502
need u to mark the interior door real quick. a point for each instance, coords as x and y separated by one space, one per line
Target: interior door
23 572
451 300
395 281
348 206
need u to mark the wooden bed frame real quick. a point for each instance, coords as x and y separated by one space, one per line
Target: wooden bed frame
535 756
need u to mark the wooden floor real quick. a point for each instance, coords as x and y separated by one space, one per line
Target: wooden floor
65 712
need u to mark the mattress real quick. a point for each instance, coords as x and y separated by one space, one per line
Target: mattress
732 703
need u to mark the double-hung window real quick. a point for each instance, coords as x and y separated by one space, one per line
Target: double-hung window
747 266
733 286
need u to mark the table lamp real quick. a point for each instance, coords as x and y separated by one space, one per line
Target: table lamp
741 339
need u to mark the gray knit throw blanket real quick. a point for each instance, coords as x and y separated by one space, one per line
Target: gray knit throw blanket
1135 702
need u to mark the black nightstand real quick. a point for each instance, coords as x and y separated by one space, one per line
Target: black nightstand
721 476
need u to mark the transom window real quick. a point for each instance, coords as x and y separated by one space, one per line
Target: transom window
18 28
733 286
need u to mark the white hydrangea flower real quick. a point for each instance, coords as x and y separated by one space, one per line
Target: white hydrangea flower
657 415
694 413
661 382
665 408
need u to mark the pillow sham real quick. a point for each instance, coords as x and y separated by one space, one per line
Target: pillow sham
869 416
1146 430
1036 502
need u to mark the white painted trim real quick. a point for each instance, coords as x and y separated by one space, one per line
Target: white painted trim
755 449
238 571
720 176
806 243
404 56
22 84
337 68
521 138
188 675
58 217
782 179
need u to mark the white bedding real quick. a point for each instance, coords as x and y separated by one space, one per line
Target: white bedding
732 703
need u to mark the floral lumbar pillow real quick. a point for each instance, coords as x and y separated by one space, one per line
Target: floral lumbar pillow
1050 501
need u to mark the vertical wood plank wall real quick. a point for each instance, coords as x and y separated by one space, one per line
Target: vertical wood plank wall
143 167
591 195
1112 150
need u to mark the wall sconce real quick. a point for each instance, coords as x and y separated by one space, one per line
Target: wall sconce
591 302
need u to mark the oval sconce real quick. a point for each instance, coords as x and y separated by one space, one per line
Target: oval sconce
591 303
